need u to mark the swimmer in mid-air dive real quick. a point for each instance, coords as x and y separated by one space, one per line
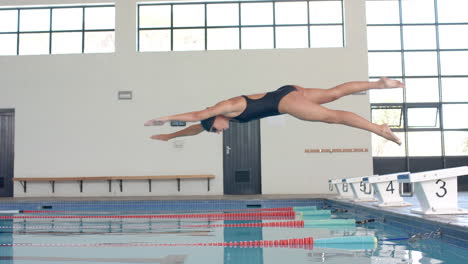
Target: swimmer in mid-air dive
302 103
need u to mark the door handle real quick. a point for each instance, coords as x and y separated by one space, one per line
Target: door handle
228 150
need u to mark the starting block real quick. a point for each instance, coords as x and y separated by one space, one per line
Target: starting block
362 192
342 189
436 190
387 189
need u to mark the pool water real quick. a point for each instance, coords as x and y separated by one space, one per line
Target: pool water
150 236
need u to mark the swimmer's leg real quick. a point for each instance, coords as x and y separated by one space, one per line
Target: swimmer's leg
301 108
354 87
322 96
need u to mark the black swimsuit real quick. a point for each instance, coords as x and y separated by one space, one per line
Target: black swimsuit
265 106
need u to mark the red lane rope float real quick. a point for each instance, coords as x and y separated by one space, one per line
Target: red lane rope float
237 216
175 211
306 243
291 224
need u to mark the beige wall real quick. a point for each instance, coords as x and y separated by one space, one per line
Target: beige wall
70 123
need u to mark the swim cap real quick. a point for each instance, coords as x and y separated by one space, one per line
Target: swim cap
208 123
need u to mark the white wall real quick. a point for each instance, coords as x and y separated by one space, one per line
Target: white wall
70 123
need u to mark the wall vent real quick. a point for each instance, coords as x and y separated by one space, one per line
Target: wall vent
125 95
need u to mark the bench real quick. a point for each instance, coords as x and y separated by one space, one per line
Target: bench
52 180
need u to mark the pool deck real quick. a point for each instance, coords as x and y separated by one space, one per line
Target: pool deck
179 198
460 221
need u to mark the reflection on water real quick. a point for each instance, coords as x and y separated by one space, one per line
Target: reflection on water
243 255
84 241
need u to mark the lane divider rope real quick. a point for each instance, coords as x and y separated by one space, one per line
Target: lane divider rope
307 243
161 211
253 216
288 224
271 243
292 224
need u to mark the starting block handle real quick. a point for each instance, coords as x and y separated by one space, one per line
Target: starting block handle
403 193
364 187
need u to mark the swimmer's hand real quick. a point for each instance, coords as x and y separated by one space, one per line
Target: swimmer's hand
389 83
163 137
156 122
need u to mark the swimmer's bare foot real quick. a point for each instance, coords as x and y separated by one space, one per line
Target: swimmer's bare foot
388 134
386 83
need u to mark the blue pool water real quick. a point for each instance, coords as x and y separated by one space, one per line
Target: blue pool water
71 237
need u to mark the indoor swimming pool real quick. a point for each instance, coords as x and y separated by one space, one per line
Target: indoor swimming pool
229 231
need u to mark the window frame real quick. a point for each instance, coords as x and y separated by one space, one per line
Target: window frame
50 31
440 76
239 26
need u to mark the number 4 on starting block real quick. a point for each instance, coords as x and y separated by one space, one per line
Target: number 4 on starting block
436 190
387 189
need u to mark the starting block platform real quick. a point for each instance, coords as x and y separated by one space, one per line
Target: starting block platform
436 190
387 189
344 193
362 192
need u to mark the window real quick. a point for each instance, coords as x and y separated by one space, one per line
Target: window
423 117
455 89
384 148
424 143
423 43
232 25
455 116
57 30
421 90
456 143
391 115
385 63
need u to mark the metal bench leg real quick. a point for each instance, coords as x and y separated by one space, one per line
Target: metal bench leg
52 184
178 185
149 185
23 183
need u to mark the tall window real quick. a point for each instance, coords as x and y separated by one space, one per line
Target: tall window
57 30
425 44
234 25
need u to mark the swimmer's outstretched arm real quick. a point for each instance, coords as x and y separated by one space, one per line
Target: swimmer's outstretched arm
189 131
221 108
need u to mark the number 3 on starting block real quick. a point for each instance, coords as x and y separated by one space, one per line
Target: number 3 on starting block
436 190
